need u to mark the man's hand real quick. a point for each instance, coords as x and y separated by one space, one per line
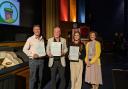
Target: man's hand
35 56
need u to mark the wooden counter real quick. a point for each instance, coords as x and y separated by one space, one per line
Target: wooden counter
13 44
21 70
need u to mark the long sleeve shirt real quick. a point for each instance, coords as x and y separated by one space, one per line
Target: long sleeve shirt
34 46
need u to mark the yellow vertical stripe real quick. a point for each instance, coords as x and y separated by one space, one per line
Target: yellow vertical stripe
73 10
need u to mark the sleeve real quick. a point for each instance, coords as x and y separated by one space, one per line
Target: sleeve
97 54
86 57
26 48
65 47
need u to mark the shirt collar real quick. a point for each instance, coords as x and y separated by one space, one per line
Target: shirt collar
55 39
36 38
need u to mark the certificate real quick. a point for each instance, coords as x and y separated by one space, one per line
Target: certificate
56 48
74 53
40 49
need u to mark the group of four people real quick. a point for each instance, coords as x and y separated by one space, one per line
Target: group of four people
34 48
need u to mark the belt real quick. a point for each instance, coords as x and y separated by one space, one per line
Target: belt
56 58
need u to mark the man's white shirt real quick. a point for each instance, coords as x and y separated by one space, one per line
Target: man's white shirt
34 46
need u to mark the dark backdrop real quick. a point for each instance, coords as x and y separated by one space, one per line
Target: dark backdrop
108 17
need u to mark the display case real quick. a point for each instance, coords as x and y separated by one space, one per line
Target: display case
13 65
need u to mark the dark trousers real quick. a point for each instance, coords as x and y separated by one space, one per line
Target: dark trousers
36 73
57 66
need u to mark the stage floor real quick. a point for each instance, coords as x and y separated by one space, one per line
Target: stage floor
109 62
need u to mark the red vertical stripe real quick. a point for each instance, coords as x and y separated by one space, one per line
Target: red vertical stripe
64 10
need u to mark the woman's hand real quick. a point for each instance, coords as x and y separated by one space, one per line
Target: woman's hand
88 63
50 55
62 53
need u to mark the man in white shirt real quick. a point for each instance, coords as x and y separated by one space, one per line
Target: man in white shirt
34 48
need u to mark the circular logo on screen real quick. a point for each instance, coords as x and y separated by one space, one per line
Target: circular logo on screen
8 12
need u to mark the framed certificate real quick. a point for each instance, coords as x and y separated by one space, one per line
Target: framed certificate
56 48
74 53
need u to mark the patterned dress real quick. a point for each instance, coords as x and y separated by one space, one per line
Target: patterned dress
93 72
